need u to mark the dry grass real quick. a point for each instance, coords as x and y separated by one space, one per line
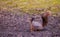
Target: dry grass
30 6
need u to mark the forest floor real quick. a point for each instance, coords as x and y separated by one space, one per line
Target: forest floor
16 25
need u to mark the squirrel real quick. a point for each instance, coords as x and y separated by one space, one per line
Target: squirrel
42 24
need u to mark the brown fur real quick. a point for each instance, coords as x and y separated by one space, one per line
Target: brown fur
44 19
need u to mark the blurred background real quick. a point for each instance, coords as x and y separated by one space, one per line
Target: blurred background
30 6
15 14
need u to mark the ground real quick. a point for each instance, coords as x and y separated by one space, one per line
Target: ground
16 25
